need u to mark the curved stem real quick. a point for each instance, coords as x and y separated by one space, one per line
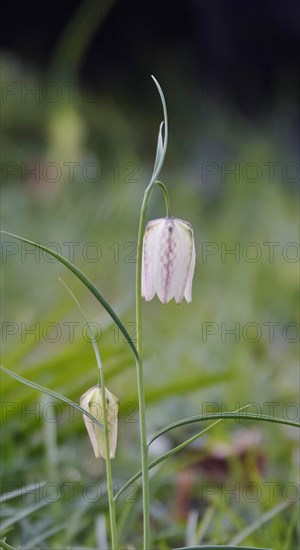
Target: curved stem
164 457
164 141
109 479
160 156
140 377
201 418
214 416
139 360
166 195
86 281
173 451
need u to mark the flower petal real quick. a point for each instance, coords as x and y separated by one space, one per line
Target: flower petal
148 267
167 257
188 288
185 244
112 420
87 402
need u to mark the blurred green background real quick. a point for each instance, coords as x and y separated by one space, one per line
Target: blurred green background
78 154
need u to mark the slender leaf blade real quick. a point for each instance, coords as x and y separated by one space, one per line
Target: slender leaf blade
216 416
52 393
18 492
86 281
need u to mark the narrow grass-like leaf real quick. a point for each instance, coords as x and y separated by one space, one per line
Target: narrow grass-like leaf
291 529
43 536
171 452
52 393
201 418
18 492
159 148
86 281
78 520
215 416
162 141
92 338
164 457
205 522
23 513
260 522
6 546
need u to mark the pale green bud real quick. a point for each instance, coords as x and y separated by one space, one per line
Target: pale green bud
91 401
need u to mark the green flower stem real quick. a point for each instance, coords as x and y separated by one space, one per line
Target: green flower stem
140 377
109 479
139 360
166 195
162 142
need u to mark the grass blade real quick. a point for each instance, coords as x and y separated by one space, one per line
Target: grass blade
201 418
92 338
215 416
262 520
52 393
86 281
6 546
43 536
162 143
164 457
18 492
171 452
23 513
159 148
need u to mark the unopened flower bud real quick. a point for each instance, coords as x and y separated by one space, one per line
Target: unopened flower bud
91 401
168 261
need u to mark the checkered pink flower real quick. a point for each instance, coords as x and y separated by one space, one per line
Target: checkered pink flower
168 261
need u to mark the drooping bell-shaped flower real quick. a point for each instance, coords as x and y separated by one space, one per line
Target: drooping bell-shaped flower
91 401
168 261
